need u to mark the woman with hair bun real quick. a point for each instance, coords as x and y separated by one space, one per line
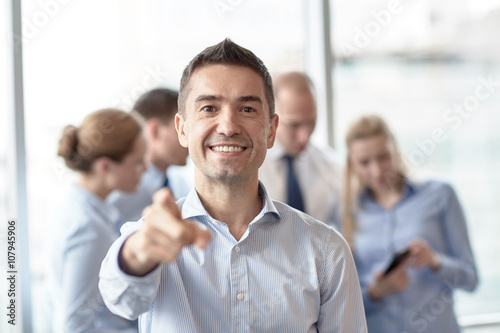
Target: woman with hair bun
385 213
106 151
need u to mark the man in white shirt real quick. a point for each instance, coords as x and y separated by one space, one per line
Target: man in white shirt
314 173
164 155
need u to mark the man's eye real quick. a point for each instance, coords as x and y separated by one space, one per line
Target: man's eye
247 109
208 109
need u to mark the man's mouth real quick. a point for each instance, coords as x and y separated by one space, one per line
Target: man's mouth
228 149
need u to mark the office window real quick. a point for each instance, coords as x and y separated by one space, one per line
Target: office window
414 64
432 67
5 80
5 143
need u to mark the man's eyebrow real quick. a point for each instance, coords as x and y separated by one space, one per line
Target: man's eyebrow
204 98
250 99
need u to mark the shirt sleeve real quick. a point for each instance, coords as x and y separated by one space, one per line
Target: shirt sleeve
126 295
341 308
457 264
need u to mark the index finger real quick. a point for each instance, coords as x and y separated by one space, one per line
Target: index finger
165 198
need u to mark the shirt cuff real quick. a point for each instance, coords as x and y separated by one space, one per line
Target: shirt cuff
125 294
448 270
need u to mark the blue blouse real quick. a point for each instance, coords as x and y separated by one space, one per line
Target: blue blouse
77 241
430 211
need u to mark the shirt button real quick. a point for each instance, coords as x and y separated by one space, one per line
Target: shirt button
239 296
237 249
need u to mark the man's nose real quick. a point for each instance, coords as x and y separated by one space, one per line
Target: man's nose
304 134
228 123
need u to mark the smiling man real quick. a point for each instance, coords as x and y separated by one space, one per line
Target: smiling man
227 258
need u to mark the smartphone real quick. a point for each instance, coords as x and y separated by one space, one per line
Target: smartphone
396 260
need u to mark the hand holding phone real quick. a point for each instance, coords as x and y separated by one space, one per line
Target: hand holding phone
398 258
386 283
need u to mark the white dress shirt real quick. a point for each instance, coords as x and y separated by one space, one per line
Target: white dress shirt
319 176
131 205
77 240
287 273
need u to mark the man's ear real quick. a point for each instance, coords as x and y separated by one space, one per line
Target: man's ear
181 132
272 131
152 127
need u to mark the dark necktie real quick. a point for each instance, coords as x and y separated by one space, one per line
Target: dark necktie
294 196
165 184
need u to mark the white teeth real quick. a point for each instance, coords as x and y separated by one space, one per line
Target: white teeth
227 149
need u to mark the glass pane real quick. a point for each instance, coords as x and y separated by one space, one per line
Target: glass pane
432 67
5 143
5 107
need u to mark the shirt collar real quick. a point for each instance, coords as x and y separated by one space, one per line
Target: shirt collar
193 207
268 206
153 171
108 212
154 176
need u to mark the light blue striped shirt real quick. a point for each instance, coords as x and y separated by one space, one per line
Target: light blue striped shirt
77 239
288 273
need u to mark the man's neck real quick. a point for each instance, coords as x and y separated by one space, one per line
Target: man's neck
157 162
235 204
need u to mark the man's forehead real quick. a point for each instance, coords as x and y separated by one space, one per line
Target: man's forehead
287 95
224 80
297 108
245 72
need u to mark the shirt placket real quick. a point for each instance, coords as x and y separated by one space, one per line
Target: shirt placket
240 309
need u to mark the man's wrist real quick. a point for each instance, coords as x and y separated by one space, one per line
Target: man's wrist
128 262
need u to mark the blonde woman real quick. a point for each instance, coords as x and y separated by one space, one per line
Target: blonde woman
386 213
107 151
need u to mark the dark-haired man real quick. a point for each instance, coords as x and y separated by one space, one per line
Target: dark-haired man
256 265
164 155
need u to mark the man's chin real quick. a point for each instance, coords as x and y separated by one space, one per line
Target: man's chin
228 176
294 153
